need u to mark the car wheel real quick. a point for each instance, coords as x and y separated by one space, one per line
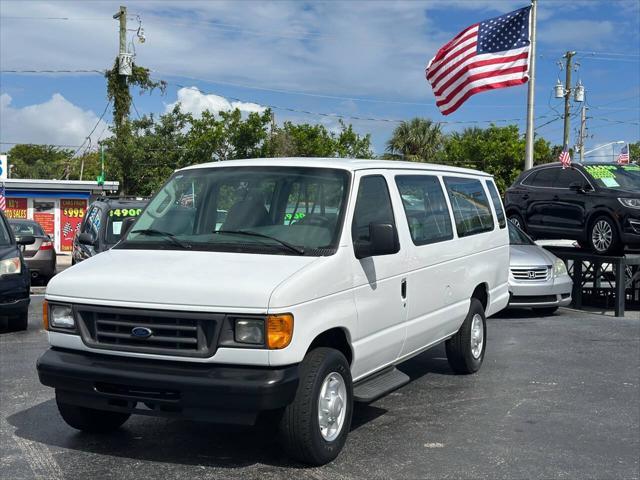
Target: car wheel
517 220
603 236
89 419
545 311
20 321
465 350
314 428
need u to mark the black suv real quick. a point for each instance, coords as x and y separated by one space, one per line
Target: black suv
596 204
15 280
102 225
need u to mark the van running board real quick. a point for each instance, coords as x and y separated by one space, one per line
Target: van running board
370 389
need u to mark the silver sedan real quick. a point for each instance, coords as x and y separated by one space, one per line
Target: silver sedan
41 255
537 278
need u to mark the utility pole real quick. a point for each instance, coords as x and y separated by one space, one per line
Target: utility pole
122 16
583 131
528 152
568 90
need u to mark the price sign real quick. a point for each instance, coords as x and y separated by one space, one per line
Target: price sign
71 214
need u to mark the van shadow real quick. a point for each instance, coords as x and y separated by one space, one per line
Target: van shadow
432 361
172 441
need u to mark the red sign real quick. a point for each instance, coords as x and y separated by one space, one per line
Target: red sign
16 208
46 221
71 214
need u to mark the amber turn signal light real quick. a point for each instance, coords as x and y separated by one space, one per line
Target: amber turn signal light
45 315
279 330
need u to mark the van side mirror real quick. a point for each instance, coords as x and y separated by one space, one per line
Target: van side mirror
383 240
86 239
26 240
126 226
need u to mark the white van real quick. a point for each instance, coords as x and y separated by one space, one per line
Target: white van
284 287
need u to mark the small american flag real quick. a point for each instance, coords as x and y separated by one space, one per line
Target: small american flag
3 200
485 56
565 158
623 156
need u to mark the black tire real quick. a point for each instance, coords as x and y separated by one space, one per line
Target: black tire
614 246
518 221
459 350
545 310
299 428
19 321
90 420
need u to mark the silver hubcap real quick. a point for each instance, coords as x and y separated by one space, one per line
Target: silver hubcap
332 406
515 221
602 235
477 336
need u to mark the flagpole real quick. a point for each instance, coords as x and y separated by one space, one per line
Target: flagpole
528 158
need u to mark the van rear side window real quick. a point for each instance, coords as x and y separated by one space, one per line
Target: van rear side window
426 208
497 204
470 206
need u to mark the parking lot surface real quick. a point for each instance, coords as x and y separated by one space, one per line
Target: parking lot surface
557 397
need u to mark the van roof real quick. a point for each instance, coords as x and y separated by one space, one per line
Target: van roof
350 164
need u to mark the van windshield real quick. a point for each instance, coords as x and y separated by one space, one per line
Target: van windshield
274 210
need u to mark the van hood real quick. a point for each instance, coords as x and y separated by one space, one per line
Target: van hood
212 280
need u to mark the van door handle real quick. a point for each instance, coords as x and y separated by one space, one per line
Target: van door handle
403 289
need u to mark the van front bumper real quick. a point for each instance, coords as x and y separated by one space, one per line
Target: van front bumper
216 393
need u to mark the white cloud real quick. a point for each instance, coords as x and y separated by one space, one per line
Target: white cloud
56 121
193 101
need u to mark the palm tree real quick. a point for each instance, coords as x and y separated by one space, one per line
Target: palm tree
417 140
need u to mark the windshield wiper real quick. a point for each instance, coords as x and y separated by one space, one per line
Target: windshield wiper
249 233
152 232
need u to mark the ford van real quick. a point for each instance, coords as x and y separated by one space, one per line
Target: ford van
285 289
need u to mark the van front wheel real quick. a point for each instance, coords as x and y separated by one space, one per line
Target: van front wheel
314 428
465 350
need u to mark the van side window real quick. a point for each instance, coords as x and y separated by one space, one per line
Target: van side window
497 204
372 206
470 206
425 208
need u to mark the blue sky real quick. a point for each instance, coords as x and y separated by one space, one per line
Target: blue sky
356 59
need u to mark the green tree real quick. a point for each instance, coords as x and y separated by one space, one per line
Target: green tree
38 161
634 152
496 150
416 140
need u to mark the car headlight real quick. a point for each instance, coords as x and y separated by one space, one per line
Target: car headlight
10 265
61 316
249 331
630 202
559 268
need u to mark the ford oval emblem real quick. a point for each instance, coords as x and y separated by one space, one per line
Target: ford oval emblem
141 332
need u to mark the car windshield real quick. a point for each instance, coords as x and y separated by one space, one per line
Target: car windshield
254 209
26 228
517 236
5 239
619 177
115 219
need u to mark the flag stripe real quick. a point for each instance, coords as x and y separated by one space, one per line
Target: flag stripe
481 79
482 88
461 48
452 43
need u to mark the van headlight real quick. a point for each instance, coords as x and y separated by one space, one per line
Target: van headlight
630 202
61 316
249 331
559 268
9 266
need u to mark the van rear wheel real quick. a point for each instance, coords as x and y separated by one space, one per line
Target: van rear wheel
314 428
89 419
465 350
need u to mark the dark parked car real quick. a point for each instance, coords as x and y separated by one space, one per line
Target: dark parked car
102 225
15 280
40 255
596 204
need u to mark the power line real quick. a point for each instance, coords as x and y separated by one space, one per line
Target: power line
101 72
88 137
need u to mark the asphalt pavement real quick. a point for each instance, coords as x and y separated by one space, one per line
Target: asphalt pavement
557 397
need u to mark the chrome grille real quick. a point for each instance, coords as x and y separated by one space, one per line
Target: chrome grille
172 333
532 274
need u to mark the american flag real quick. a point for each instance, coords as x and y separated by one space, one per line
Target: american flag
487 55
565 158
623 156
3 201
